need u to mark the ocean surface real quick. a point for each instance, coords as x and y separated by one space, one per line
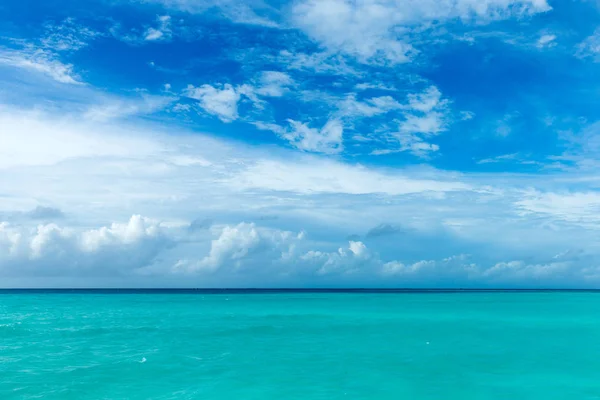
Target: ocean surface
293 345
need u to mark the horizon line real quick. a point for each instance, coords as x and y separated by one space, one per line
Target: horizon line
299 290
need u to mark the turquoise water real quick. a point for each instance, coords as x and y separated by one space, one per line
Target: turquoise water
300 346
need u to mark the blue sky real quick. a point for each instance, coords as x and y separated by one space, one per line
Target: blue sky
303 143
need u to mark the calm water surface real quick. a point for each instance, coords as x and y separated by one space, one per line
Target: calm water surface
507 345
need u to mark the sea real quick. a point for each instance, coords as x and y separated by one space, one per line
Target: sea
282 344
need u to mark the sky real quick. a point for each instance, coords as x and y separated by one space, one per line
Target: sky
300 143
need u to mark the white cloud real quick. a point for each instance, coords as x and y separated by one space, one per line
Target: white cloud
577 207
43 56
497 159
590 47
317 176
56 143
40 61
415 144
427 101
351 107
221 101
327 140
371 85
395 268
273 84
520 270
431 123
426 114
240 246
320 63
105 172
113 108
546 40
153 34
67 36
370 40
251 12
162 32
379 26
246 254
51 250
344 261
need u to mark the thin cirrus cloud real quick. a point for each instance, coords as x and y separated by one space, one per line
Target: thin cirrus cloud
42 62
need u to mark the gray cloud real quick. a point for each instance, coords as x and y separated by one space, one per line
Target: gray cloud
200 224
382 230
45 213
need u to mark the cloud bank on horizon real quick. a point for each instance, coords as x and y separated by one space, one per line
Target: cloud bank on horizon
301 143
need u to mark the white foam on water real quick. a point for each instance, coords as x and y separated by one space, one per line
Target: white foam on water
143 360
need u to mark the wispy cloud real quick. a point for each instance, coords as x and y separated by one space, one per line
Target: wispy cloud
161 32
252 12
40 61
590 47
67 36
545 41
380 27
320 63
425 115
327 139
44 55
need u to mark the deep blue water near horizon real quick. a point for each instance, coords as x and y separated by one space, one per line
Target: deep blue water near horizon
312 344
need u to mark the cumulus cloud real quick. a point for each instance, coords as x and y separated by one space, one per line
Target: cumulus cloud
273 84
50 249
242 246
245 254
220 101
344 261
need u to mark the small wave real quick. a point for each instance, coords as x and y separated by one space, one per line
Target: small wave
143 360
